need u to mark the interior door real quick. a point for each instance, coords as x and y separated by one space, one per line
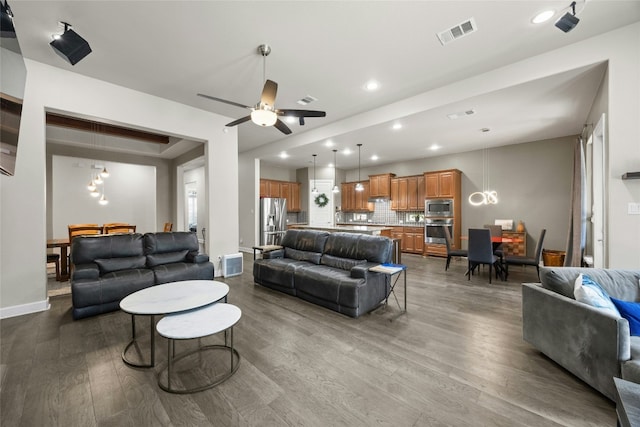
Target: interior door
321 216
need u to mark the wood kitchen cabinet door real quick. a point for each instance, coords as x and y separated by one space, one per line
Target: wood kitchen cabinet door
380 185
285 193
412 193
431 185
293 201
446 184
403 202
394 194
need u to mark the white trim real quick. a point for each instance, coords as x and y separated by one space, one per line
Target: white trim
19 310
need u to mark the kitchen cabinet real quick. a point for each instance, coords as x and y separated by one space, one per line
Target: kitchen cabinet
435 249
356 201
282 189
380 185
413 240
407 193
442 184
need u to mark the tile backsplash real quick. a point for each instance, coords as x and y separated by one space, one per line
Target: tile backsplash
384 215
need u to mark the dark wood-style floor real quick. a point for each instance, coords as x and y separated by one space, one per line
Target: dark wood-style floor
457 358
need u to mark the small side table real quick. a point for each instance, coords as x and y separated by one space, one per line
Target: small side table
394 272
627 403
264 248
199 323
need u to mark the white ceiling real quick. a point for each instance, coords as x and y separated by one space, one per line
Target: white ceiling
330 50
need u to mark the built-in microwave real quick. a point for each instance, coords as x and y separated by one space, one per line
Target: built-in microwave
438 208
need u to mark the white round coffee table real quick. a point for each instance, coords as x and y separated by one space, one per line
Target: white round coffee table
199 323
168 298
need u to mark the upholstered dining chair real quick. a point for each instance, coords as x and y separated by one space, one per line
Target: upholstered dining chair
451 252
481 252
496 231
524 260
118 227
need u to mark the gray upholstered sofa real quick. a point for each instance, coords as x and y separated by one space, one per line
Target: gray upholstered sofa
590 343
328 269
107 268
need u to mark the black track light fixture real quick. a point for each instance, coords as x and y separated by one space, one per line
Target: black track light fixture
7 29
568 21
70 46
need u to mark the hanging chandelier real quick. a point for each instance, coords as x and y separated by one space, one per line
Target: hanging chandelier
315 189
359 186
486 196
336 189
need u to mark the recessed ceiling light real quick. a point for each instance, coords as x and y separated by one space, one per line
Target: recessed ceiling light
290 119
374 157
329 143
434 147
346 151
284 155
397 126
543 16
372 85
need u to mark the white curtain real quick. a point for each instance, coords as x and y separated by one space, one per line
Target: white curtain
577 235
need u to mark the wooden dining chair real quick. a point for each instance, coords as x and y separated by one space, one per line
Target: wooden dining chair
53 258
168 226
481 252
83 230
117 228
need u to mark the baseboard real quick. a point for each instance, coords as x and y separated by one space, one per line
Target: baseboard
19 310
247 250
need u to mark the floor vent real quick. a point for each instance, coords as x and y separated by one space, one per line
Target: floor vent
232 265
458 31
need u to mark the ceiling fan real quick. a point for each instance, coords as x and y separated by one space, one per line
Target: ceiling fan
264 112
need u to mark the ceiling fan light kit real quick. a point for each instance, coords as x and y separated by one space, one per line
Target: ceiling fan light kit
264 112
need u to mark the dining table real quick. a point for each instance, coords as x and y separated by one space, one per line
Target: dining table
63 244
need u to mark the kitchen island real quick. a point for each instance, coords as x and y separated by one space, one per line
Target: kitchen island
364 229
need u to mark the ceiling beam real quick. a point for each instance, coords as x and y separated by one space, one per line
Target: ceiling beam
105 129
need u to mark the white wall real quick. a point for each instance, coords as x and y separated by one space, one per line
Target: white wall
130 190
22 197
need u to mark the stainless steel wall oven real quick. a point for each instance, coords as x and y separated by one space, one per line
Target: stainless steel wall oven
434 230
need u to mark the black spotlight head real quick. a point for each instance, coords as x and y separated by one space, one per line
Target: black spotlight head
568 22
71 47
7 30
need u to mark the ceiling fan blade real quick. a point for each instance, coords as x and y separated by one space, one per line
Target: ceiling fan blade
269 93
239 121
301 113
282 127
224 101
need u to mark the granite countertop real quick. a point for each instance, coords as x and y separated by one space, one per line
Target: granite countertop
406 224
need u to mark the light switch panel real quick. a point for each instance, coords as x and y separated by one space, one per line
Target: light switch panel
633 208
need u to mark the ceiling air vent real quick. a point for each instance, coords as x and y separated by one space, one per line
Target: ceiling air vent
307 100
458 31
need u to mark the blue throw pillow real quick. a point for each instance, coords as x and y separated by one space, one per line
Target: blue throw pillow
589 292
631 312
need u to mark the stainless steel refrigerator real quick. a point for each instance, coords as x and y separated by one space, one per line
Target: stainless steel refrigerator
273 220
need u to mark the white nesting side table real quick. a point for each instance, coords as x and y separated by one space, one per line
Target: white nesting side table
167 298
199 323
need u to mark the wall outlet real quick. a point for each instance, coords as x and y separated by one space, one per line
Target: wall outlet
633 208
